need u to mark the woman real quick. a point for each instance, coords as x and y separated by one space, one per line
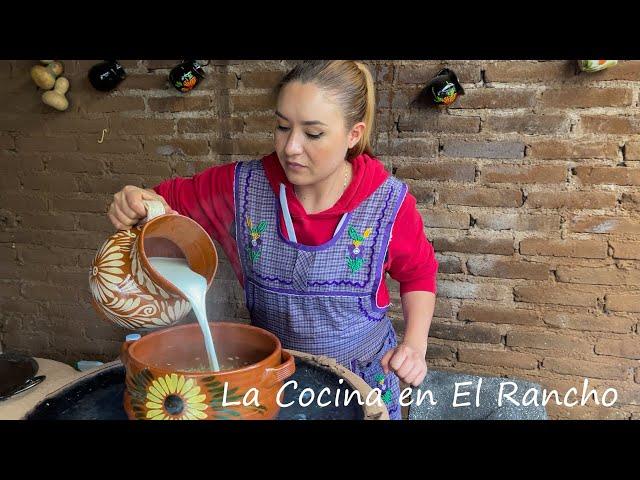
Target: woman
312 229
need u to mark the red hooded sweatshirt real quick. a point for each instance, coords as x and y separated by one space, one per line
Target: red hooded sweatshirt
207 198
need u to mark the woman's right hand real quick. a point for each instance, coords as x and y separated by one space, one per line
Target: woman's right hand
127 208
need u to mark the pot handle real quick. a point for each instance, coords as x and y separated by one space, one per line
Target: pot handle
279 373
155 208
124 352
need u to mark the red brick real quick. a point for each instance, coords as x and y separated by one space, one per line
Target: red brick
479 197
547 341
448 264
12 162
48 255
498 314
162 64
598 276
9 289
241 102
210 125
585 368
474 245
261 79
439 351
632 151
523 174
517 222
110 184
438 122
36 345
623 302
458 172
46 144
423 73
465 333
573 200
218 81
585 97
617 125
572 149
98 223
50 182
495 98
556 295
6 142
176 146
624 70
19 306
441 218
22 201
142 166
75 163
626 250
483 149
72 124
112 104
78 239
475 291
602 224
51 221
25 124
424 194
180 104
528 124
141 126
608 175
146 82
518 71
625 348
409 147
259 123
523 361
81 203
590 322
243 145
43 291
630 201
497 268
91 145
564 248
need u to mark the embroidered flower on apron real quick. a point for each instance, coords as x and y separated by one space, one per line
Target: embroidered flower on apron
253 249
355 258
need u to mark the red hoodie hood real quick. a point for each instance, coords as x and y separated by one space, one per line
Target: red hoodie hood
368 174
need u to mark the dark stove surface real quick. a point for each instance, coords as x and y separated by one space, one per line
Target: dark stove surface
99 397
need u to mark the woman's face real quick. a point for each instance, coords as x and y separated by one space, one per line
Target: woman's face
311 138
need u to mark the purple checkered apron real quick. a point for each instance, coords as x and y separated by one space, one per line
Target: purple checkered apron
320 299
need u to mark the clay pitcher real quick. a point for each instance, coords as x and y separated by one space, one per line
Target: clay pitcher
128 291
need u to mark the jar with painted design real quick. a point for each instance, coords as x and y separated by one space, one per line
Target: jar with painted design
125 288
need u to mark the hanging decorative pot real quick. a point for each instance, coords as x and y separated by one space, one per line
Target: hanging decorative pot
444 88
185 76
107 75
595 65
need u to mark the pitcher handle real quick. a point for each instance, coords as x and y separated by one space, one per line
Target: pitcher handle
155 208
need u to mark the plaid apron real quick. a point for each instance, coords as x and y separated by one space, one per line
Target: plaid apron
320 299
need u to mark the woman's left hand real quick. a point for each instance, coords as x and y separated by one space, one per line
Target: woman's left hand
407 362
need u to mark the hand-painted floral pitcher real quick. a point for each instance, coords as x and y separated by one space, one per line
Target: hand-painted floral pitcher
128 291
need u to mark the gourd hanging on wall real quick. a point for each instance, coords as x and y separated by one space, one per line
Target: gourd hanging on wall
107 75
595 65
185 76
444 88
47 77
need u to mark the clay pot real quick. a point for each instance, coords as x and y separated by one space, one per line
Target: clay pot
162 382
128 291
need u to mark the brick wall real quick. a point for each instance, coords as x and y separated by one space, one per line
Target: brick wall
528 185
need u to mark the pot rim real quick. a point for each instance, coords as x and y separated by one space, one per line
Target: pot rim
158 278
261 365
